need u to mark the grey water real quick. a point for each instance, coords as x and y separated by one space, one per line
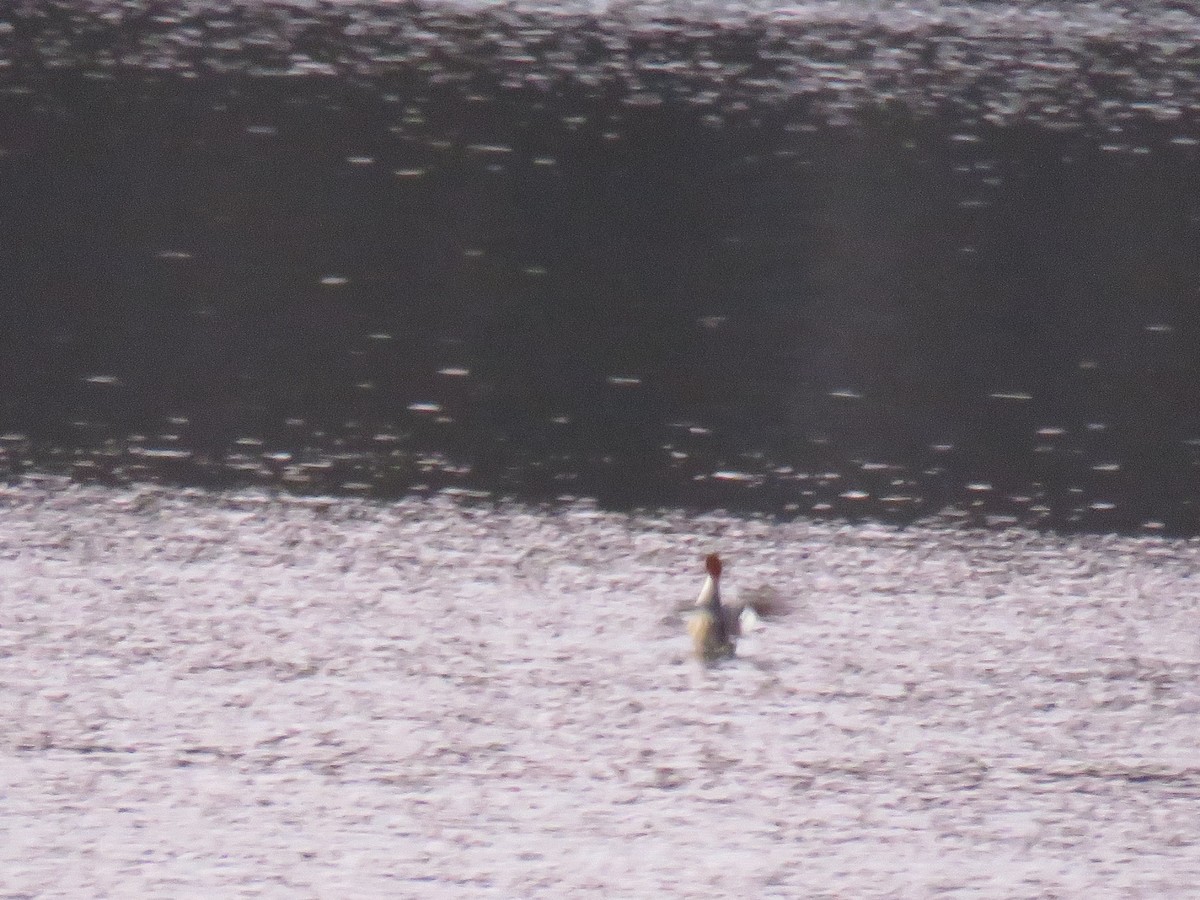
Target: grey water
849 260
856 261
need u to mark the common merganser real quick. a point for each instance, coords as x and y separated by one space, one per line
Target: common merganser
716 626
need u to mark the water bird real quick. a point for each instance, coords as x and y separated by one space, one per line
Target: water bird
714 625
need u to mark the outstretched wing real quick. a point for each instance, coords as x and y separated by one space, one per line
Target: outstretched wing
751 606
765 602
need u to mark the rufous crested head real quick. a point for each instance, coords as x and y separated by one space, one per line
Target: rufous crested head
712 565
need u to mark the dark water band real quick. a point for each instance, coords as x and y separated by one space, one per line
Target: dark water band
372 247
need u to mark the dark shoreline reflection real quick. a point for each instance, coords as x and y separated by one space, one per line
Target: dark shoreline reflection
449 273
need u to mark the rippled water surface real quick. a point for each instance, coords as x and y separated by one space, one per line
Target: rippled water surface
408 281
219 693
819 259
